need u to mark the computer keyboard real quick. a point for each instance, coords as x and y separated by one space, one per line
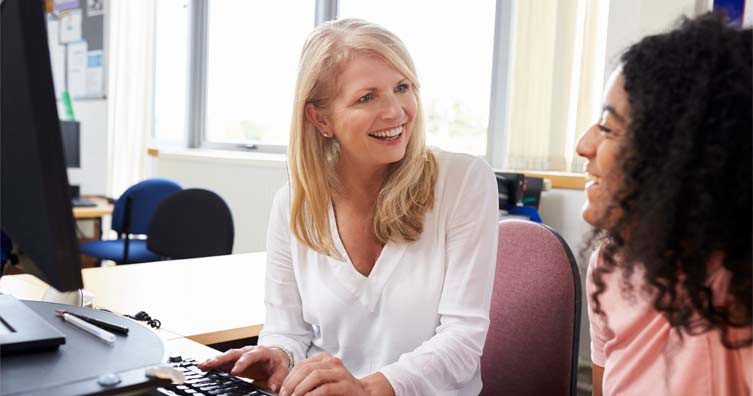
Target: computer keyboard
206 383
82 203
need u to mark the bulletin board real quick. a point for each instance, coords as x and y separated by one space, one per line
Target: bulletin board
76 36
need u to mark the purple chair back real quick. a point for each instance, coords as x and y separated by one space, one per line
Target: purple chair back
532 345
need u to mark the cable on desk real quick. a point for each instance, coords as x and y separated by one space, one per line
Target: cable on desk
144 317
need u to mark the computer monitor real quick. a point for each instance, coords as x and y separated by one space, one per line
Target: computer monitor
35 206
71 143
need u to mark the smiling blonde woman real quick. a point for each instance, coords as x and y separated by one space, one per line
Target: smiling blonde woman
381 251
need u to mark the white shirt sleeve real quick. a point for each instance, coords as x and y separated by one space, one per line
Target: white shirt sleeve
283 325
451 358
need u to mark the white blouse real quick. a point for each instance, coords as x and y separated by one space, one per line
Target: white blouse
421 316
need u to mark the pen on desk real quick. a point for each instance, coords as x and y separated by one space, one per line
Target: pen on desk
105 325
102 334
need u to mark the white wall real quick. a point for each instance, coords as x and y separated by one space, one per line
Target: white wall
631 20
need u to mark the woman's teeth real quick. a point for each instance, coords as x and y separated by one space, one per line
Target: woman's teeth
389 134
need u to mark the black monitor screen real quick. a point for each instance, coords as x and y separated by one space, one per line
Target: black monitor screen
71 143
35 206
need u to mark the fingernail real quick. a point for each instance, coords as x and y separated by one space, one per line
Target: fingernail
273 387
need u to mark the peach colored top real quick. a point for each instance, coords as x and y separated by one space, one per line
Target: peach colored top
642 354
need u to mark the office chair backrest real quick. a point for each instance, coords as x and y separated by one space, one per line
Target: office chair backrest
6 246
137 204
532 344
192 223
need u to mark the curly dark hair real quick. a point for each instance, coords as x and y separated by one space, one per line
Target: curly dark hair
686 164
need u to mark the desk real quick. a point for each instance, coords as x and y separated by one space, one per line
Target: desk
75 366
208 300
103 208
94 213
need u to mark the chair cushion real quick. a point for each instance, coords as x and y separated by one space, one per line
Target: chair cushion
113 250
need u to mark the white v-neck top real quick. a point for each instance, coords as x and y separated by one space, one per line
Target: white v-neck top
421 316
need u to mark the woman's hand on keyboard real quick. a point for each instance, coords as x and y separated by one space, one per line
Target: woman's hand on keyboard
322 375
268 367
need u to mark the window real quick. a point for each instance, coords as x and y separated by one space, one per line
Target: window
252 62
452 48
170 72
556 70
536 65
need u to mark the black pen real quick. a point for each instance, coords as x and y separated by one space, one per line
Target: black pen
105 325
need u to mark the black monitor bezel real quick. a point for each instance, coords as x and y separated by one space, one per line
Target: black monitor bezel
35 207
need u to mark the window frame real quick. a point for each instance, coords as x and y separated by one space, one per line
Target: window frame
325 10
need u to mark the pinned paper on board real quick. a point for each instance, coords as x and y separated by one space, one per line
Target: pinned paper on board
62 5
77 64
94 74
95 7
75 35
70 26
57 56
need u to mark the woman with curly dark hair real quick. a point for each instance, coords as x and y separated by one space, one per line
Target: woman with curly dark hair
669 195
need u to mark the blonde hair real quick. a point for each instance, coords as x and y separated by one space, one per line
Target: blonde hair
408 190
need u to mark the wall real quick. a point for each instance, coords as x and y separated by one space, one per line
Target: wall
560 209
91 176
630 20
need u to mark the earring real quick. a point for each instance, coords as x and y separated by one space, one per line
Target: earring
325 134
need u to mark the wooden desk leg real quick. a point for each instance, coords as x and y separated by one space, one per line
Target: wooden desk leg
98 228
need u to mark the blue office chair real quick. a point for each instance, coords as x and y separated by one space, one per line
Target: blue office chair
6 247
131 216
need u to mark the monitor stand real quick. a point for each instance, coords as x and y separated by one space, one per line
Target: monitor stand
84 365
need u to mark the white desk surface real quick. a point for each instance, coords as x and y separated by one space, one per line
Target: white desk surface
207 300
186 348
